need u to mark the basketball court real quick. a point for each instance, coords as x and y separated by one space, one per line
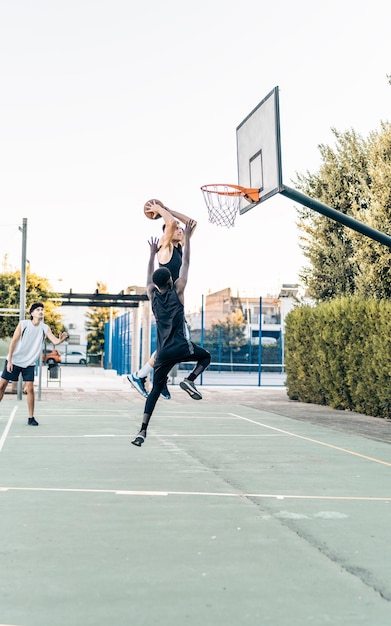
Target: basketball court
229 514
243 508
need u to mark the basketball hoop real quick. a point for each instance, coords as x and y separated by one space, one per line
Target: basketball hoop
223 202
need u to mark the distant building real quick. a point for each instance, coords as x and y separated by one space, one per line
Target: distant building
217 306
135 291
74 320
270 311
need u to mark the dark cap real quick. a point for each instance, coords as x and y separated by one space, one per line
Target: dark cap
34 306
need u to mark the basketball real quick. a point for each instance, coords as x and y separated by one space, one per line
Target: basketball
150 214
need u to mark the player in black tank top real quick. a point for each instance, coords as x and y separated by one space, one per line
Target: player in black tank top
173 343
170 253
174 264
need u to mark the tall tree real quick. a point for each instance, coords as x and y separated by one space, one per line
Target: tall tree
38 289
354 179
95 324
373 279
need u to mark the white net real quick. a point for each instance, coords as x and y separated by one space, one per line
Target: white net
222 202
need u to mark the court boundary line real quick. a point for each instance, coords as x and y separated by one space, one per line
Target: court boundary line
216 494
7 427
157 435
321 443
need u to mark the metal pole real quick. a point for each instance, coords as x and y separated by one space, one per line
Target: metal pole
22 296
110 348
40 378
260 344
335 215
202 321
202 336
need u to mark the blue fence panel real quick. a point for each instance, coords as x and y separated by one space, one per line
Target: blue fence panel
121 344
252 365
107 343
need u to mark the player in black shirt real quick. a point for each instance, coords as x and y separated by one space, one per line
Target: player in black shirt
173 342
169 255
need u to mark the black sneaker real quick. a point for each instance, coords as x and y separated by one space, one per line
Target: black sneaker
165 393
190 388
32 422
139 439
138 384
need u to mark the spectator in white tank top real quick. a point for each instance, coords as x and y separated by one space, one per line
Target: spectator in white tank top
24 350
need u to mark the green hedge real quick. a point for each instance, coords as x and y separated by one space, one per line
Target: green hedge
339 354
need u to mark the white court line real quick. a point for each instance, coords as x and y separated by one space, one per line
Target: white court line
275 496
62 437
235 436
7 428
215 416
321 443
168 435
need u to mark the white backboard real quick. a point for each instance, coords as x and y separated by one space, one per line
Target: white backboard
259 150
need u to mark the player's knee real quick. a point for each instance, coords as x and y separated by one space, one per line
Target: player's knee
207 360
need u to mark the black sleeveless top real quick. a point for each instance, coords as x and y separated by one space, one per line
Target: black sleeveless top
171 329
174 264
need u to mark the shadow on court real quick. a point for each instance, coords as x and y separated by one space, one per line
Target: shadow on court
243 508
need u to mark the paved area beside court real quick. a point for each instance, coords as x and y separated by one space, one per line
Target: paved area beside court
242 508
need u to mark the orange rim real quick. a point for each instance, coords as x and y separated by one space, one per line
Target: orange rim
249 193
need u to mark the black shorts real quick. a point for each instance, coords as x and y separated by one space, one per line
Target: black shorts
27 373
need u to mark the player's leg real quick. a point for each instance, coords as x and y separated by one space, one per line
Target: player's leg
29 389
28 379
165 392
3 387
7 377
203 359
138 378
159 379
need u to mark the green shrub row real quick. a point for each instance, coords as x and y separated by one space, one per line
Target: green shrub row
338 354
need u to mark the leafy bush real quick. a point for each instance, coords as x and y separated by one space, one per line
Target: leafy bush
338 354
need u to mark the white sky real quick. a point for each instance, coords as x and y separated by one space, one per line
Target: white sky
107 103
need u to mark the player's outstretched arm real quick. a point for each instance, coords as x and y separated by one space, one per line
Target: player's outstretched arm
56 340
170 218
153 248
184 219
170 222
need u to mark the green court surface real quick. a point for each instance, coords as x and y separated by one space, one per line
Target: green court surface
228 515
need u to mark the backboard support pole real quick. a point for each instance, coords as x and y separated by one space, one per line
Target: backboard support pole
335 215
